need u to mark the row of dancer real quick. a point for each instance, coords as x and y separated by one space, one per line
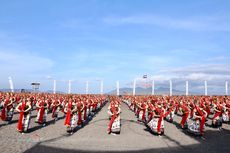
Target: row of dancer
77 113
195 111
83 105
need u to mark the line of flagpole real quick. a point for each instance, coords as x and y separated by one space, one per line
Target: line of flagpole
118 87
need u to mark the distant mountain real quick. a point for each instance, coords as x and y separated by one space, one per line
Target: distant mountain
58 92
147 91
16 90
29 90
126 91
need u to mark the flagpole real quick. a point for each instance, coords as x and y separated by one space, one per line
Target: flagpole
153 87
205 88
186 88
134 87
118 92
102 87
69 91
226 87
54 87
11 84
87 87
170 86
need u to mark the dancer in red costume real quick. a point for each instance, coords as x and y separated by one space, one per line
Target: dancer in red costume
7 108
24 108
70 110
185 114
142 108
114 111
160 115
151 110
170 107
3 109
200 115
80 108
85 109
42 107
217 120
56 107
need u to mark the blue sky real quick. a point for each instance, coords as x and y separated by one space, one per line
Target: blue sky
106 40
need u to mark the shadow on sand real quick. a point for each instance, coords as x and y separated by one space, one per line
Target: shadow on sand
216 142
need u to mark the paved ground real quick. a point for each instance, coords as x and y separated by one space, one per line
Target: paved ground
93 137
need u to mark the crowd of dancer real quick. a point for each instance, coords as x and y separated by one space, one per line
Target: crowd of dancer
76 108
195 111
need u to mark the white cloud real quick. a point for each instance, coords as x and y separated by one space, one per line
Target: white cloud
201 23
23 62
208 77
209 72
49 77
162 77
217 59
215 69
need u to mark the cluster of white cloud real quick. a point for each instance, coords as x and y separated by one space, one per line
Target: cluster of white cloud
209 72
22 62
201 23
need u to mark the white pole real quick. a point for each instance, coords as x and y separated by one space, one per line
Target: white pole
205 88
102 87
186 86
134 87
170 86
54 89
118 88
69 91
226 87
11 84
87 87
153 88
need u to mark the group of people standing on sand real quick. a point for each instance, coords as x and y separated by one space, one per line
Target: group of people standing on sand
79 108
76 108
195 111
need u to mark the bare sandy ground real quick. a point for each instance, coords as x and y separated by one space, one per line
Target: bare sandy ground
92 137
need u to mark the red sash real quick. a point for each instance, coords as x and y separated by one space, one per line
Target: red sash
42 111
68 114
54 111
160 119
79 122
4 110
218 113
3 115
22 108
85 111
202 121
113 117
185 115
169 111
144 110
